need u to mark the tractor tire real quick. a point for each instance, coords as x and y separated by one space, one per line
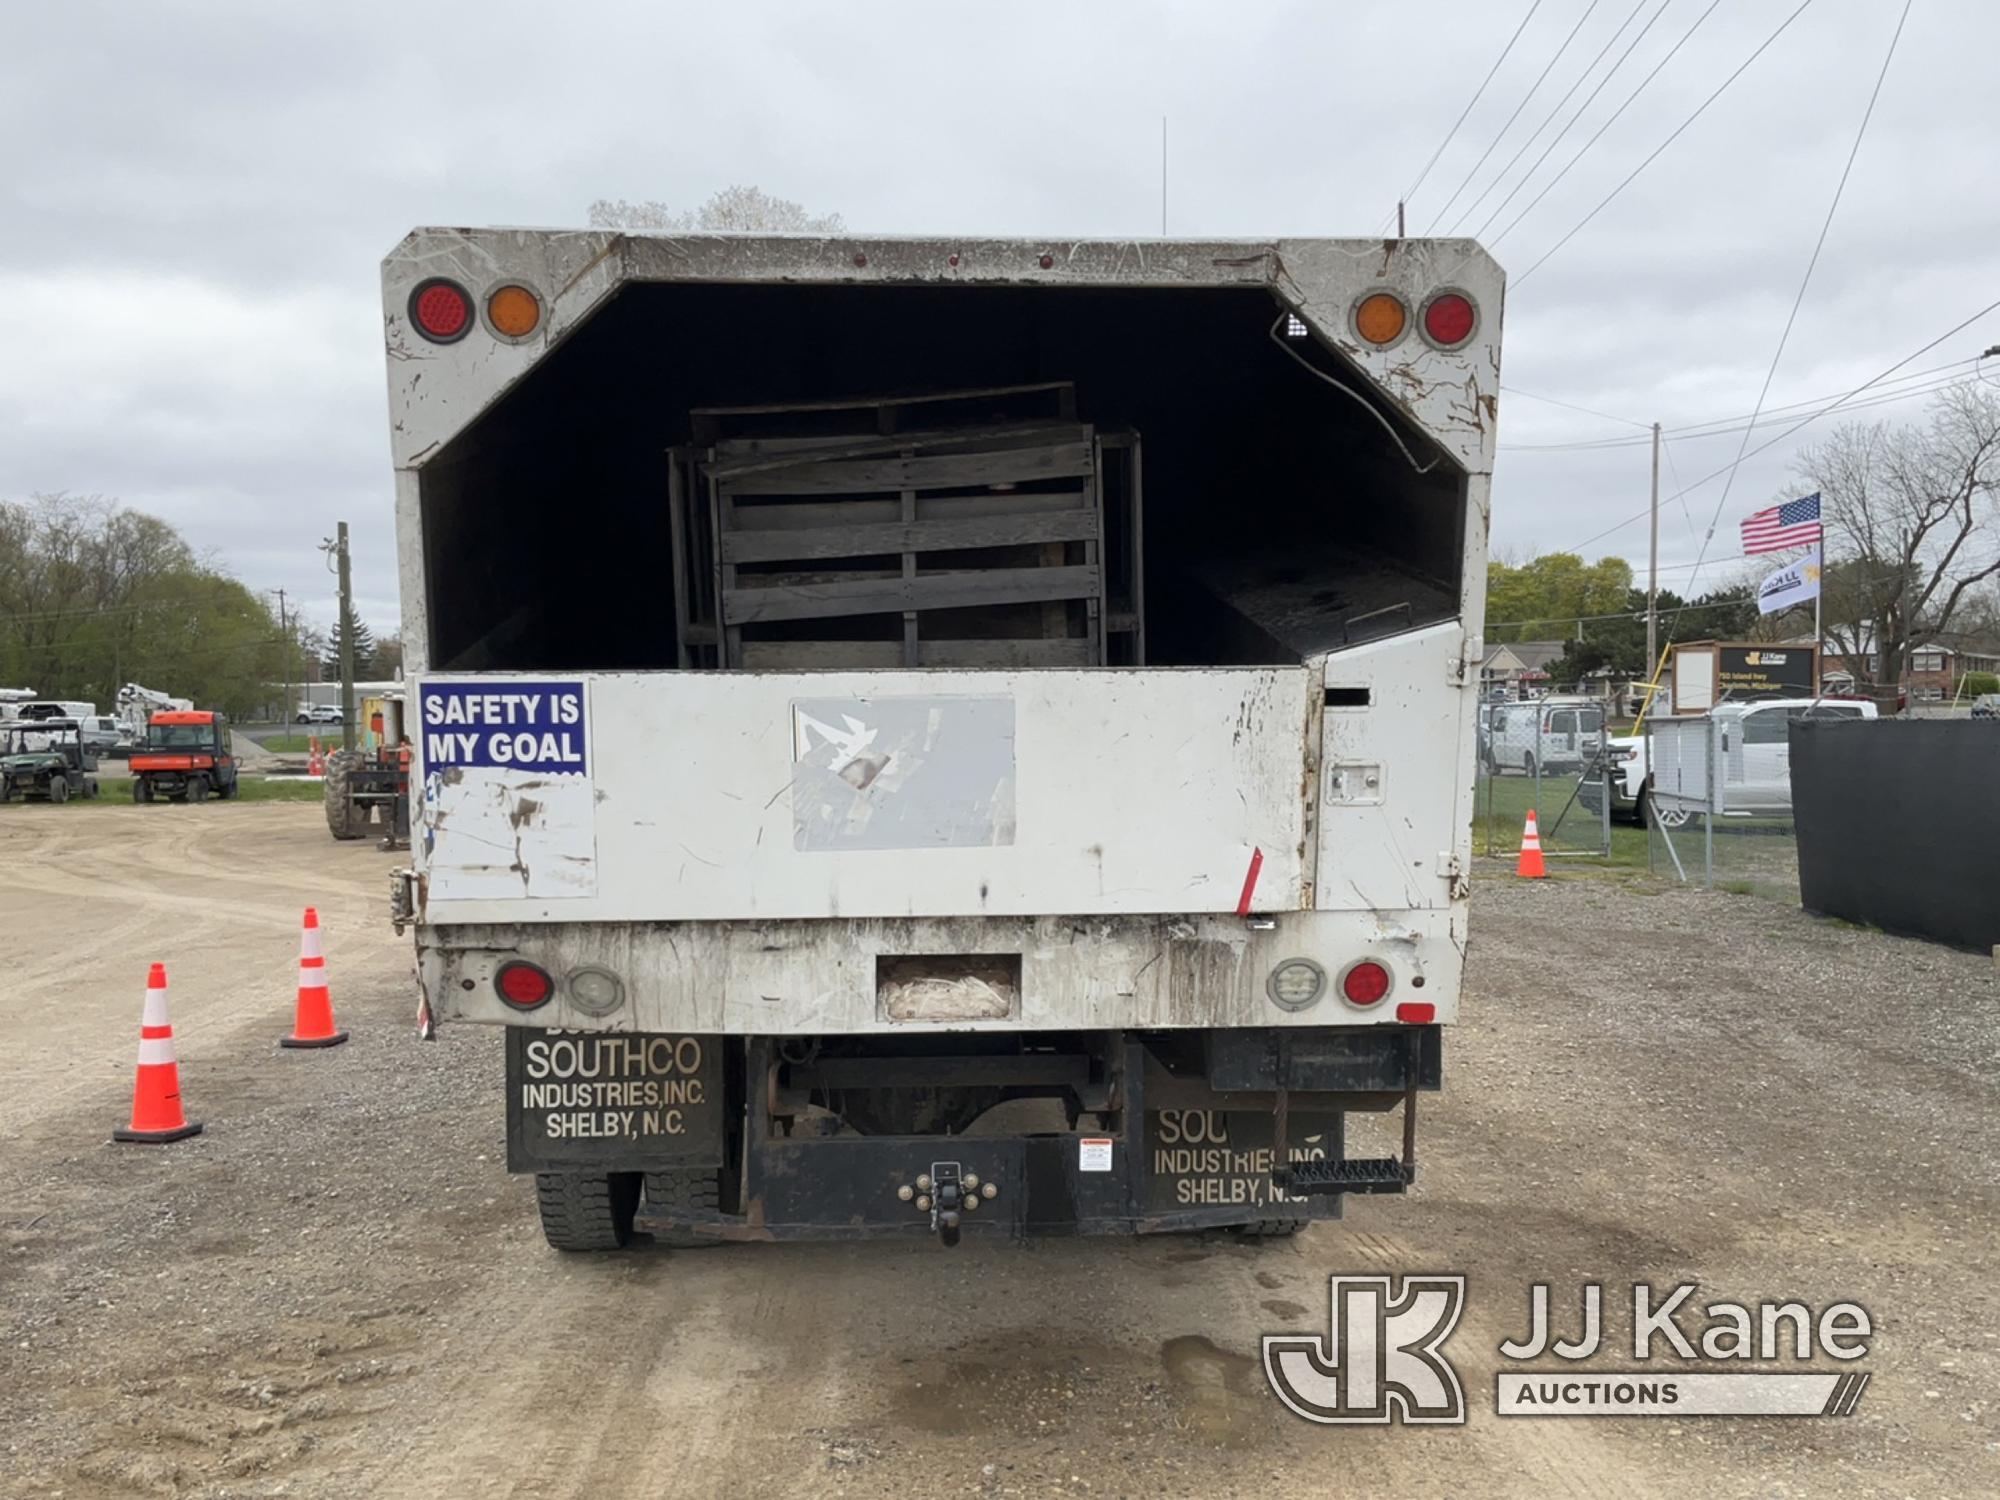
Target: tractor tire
344 818
142 789
59 790
693 1188
197 788
90 787
587 1213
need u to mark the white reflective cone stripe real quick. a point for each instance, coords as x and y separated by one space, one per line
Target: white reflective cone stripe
154 1050
311 979
309 943
156 1007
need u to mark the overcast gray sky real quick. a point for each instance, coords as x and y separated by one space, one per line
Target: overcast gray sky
195 199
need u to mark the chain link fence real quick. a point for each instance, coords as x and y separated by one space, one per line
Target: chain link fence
1720 801
1550 755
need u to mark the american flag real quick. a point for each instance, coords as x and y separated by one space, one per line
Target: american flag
1783 527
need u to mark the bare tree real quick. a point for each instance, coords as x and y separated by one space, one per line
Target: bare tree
1911 530
736 209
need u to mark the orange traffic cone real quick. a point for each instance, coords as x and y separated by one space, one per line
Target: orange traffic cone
1530 865
156 1094
313 1025
315 762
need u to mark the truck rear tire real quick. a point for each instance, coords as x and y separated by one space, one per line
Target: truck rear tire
587 1213
197 788
695 1189
344 820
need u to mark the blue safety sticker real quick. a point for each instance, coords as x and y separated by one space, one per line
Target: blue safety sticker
508 725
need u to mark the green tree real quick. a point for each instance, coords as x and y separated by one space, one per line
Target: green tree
93 596
1544 599
1618 644
364 649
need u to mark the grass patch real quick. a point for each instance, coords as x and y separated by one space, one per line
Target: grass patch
296 744
1502 807
1737 887
278 789
117 791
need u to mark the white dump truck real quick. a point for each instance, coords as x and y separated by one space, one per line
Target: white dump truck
943 736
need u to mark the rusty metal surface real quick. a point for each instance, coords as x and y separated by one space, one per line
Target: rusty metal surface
435 390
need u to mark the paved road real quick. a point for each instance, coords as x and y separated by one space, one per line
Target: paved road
337 1291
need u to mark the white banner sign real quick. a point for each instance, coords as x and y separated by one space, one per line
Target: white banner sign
1795 583
1652 1393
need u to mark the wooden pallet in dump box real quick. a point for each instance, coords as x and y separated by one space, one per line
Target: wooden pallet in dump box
975 544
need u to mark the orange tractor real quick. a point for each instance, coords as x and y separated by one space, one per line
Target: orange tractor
185 757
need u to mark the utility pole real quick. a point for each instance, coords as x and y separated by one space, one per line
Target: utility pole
336 550
346 643
1399 219
285 632
1653 570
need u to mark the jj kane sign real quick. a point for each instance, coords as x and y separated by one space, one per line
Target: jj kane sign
1383 1359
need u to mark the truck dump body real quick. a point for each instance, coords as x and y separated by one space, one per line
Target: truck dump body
901 638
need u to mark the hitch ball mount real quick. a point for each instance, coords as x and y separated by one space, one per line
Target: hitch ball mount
946 1193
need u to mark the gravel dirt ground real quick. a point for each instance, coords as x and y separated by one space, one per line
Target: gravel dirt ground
338 1291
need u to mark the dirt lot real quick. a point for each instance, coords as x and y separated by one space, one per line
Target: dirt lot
337 1291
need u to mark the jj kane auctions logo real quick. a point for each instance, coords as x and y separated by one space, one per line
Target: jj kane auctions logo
1382 1358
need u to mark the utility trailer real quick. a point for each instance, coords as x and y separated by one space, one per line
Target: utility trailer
936 737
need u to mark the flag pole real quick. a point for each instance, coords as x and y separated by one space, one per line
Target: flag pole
1819 598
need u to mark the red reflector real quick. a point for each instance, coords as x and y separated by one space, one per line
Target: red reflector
1365 983
1448 319
442 311
1417 1012
524 986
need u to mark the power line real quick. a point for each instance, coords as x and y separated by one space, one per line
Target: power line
1928 383
1623 614
1411 191
1514 116
1804 422
1515 390
1680 491
1581 110
1700 110
1805 281
1598 134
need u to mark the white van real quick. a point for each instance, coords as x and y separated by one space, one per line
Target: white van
1561 735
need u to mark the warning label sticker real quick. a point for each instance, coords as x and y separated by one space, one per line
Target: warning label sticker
1199 1158
579 1099
1093 1153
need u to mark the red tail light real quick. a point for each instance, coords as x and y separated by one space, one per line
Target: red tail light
1416 1012
1365 982
441 310
1449 319
524 985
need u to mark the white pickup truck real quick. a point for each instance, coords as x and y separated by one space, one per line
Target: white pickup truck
939 736
1756 761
